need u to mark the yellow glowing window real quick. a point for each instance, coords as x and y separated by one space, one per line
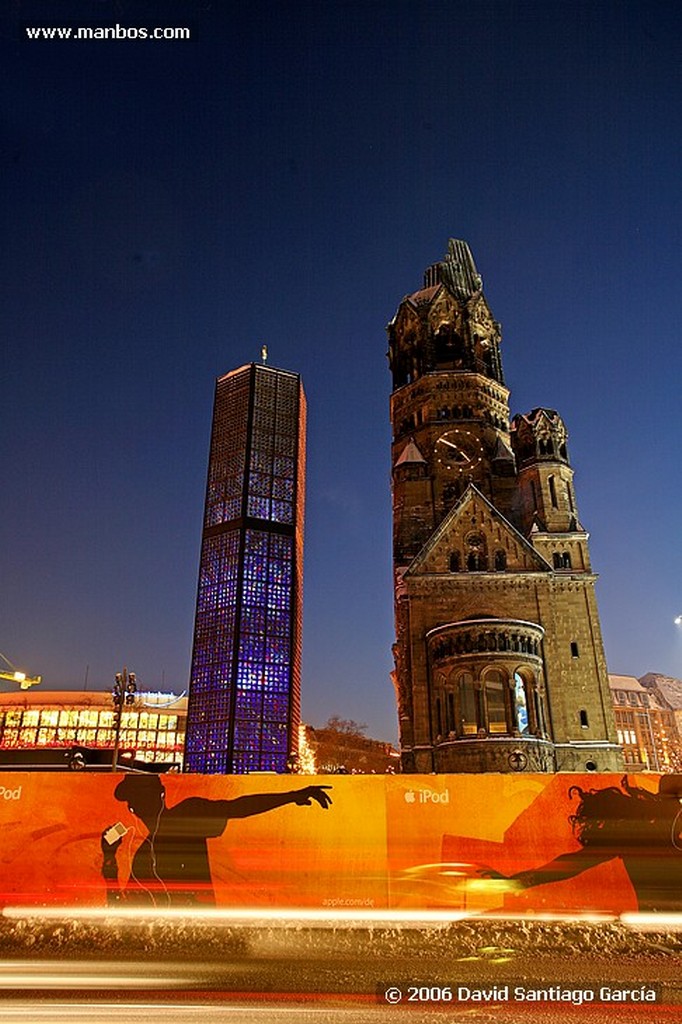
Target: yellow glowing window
31 718
494 692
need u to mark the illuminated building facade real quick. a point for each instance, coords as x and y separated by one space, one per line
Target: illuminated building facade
499 663
40 727
244 697
646 728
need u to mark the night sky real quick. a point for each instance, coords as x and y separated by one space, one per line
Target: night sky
284 177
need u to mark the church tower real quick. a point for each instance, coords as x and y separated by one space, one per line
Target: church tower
499 663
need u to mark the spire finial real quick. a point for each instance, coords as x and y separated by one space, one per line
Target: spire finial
264 353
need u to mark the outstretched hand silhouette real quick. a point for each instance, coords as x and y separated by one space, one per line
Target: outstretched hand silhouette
316 793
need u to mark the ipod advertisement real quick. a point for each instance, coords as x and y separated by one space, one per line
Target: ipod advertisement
486 844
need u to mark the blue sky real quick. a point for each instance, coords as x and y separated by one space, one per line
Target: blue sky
284 177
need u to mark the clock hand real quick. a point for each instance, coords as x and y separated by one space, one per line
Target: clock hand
441 440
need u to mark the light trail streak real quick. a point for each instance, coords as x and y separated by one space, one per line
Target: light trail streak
315 918
653 922
46 974
242 916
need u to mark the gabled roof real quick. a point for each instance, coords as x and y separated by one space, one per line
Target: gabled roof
473 512
410 453
502 453
424 295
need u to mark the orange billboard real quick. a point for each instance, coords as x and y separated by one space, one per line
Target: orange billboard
467 843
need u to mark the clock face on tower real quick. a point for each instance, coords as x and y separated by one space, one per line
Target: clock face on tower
458 451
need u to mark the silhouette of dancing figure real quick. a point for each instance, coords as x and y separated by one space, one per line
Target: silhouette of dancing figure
170 867
641 828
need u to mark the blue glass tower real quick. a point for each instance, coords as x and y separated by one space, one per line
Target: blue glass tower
244 697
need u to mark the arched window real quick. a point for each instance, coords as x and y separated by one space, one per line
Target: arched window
477 558
552 491
455 561
500 561
557 560
467 705
521 704
496 707
450 712
449 345
439 718
566 560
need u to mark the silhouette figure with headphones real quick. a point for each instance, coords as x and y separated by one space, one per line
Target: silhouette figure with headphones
170 867
641 828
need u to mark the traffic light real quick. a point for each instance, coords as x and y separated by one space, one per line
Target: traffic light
131 688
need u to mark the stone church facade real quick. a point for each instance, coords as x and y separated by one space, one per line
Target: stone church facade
499 662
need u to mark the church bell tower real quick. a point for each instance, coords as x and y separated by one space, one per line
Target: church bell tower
499 664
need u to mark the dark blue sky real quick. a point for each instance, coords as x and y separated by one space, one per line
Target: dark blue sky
284 178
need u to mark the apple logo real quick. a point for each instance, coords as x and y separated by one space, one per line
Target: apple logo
410 796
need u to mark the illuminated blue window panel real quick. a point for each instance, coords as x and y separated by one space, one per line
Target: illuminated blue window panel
245 679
